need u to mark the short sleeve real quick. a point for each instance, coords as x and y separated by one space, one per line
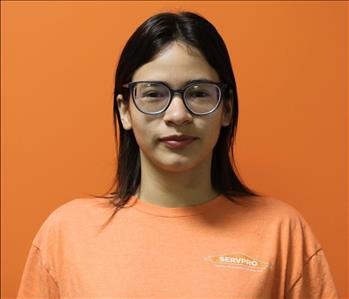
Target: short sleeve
315 281
36 281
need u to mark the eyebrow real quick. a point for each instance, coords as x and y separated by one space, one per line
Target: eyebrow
187 82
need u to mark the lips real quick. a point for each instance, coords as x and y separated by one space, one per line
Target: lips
178 138
178 141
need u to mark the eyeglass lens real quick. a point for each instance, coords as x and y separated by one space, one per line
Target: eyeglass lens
154 97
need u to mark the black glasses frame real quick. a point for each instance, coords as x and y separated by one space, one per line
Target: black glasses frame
221 86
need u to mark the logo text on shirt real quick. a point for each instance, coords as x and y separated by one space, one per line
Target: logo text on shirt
238 260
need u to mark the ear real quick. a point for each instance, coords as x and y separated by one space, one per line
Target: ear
227 110
124 112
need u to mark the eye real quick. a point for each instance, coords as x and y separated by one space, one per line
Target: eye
198 94
153 94
201 94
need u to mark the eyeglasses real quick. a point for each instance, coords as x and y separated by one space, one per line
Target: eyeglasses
200 97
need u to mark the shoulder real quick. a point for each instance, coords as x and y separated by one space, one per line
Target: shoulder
72 216
81 207
269 208
284 212
277 217
78 208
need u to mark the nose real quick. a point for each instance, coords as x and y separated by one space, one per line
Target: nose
177 113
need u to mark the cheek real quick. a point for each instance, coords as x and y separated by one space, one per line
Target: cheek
211 131
141 133
212 136
139 127
143 130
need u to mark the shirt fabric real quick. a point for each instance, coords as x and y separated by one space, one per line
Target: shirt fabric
259 248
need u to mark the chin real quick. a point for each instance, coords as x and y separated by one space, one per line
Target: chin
177 164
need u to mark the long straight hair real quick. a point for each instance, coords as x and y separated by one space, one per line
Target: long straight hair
145 43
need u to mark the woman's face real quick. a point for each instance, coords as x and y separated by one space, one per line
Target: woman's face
175 66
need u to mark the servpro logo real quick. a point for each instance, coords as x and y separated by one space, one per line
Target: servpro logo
238 260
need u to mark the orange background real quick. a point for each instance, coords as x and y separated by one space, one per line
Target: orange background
58 63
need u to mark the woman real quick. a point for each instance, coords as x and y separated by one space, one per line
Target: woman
180 224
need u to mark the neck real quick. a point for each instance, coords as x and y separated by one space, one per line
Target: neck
179 188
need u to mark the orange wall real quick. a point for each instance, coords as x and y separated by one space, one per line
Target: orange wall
58 61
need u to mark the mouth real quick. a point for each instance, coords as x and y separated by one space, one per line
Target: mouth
178 142
178 137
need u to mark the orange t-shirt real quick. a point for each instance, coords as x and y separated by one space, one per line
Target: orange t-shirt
260 248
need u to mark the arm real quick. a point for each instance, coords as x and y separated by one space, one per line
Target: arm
315 281
37 281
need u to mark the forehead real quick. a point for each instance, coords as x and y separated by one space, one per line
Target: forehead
176 65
